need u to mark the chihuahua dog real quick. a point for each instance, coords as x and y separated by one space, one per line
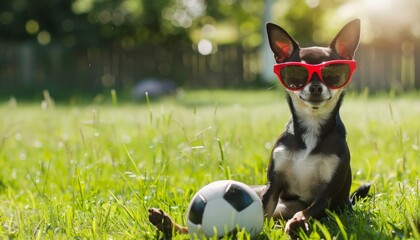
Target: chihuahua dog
309 171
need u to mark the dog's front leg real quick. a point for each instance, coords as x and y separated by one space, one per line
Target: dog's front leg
315 210
271 193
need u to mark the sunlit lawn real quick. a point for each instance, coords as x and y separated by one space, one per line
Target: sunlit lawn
91 171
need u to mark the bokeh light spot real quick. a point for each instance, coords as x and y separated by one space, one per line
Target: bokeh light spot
82 6
44 37
205 47
312 3
32 26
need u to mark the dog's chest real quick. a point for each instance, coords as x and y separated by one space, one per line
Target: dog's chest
304 173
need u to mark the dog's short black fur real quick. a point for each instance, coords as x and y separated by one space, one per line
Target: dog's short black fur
309 170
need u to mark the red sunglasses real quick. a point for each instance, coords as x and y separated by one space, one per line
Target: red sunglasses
334 74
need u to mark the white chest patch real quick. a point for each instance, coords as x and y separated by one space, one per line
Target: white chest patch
311 136
304 172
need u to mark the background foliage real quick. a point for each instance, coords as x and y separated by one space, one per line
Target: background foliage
88 46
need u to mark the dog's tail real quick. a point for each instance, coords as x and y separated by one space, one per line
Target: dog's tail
360 193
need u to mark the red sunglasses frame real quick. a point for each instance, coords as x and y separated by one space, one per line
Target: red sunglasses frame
314 68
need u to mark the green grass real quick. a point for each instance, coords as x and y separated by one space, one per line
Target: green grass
92 171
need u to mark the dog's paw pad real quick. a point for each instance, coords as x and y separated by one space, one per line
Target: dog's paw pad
160 219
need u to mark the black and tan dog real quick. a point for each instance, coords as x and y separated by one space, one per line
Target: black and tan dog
309 170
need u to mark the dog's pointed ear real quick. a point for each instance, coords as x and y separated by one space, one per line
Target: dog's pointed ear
281 43
347 40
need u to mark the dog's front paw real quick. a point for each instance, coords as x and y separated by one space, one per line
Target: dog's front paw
161 220
295 223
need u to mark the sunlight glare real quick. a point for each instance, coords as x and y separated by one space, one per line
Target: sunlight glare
386 19
377 5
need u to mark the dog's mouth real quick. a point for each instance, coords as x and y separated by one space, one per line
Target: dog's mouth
314 102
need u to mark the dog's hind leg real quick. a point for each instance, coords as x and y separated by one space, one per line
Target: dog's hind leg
284 209
164 222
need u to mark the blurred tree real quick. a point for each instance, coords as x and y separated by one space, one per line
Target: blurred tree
131 22
23 20
103 30
87 22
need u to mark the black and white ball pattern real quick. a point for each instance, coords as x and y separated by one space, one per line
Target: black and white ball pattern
222 207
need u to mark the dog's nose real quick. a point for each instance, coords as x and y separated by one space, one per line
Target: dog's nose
315 89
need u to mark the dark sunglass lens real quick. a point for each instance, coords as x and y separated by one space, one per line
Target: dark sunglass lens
294 77
335 75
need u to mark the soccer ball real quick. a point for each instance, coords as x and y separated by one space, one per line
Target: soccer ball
223 207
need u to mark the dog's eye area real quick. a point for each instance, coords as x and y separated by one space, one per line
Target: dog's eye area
335 75
294 76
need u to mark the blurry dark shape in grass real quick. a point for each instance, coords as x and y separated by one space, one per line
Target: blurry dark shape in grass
154 87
